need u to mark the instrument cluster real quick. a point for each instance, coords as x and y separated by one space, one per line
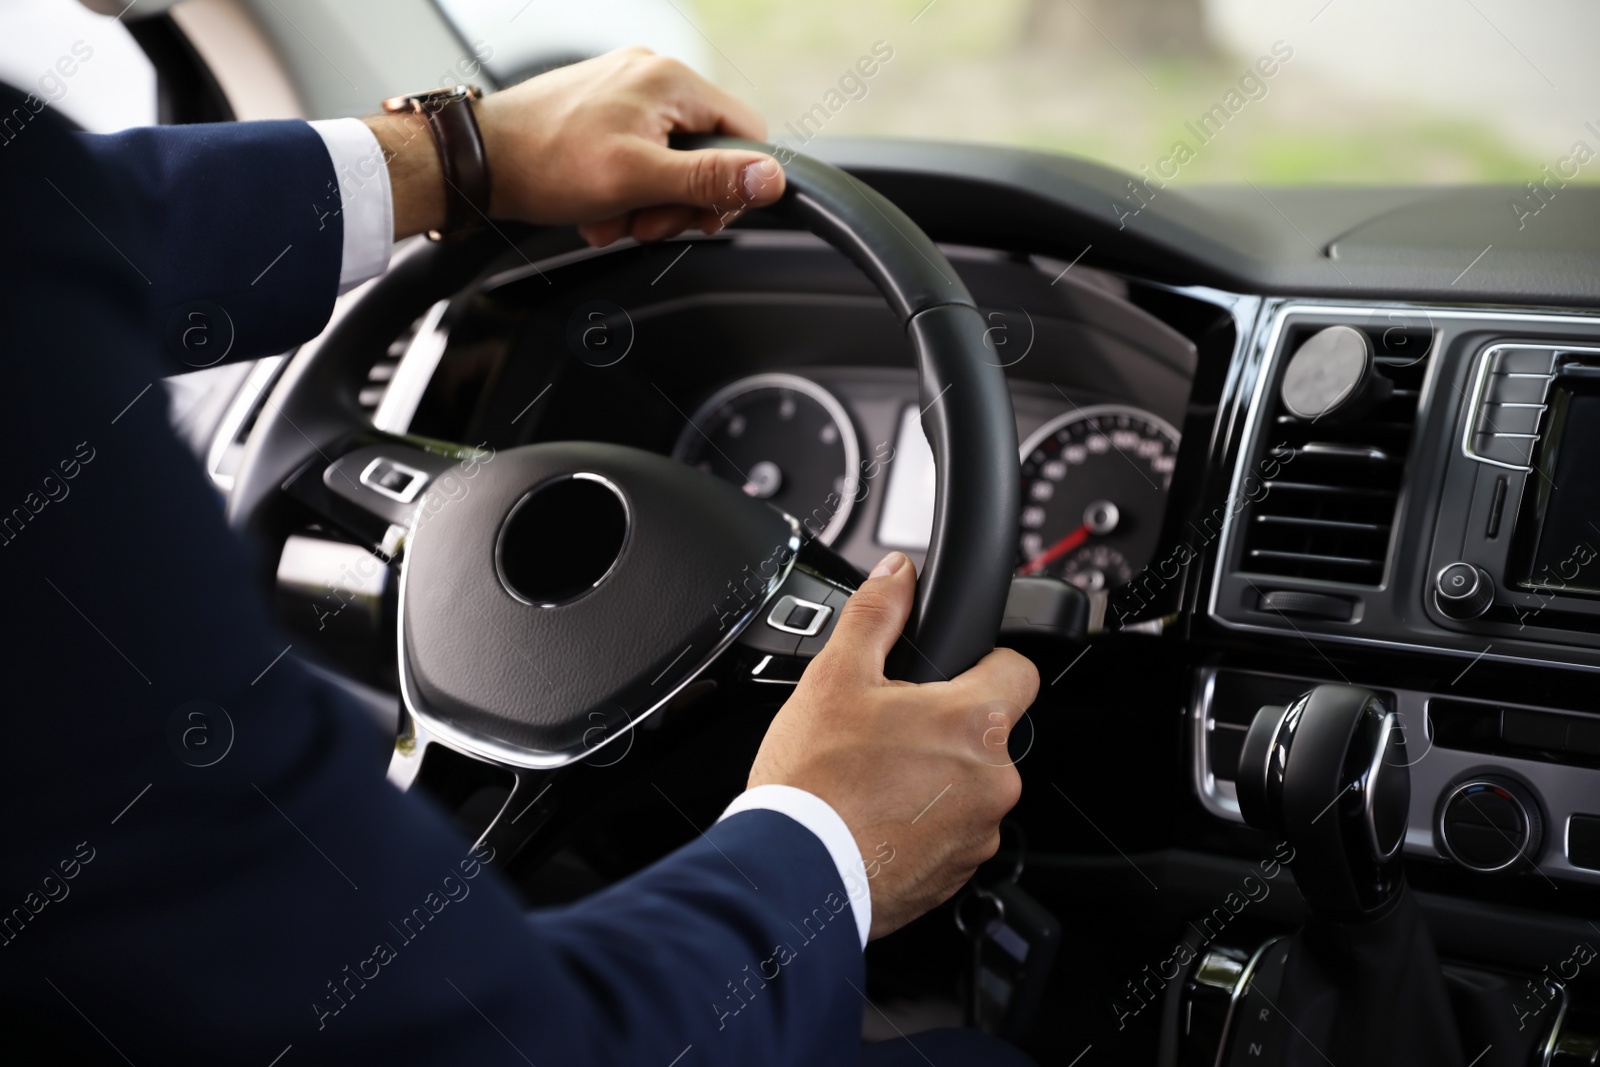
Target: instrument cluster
1095 478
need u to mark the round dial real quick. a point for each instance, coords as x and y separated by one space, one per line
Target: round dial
783 439
1489 823
1094 489
1095 567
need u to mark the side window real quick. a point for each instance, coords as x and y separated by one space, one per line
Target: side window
87 66
516 39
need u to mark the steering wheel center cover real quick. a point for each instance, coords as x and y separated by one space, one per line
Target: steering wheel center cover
541 686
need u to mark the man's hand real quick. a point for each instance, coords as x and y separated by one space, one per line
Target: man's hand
919 773
587 144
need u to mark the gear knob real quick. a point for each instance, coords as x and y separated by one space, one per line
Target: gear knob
1328 773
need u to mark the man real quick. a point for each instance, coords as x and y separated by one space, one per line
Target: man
285 901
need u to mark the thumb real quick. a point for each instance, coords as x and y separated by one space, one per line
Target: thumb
873 617
723 181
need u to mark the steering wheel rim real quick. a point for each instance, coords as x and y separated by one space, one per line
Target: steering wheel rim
966 404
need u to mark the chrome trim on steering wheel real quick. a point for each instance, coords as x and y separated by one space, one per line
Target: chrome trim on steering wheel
500 538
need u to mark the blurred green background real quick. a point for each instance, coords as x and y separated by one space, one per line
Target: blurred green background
1402 91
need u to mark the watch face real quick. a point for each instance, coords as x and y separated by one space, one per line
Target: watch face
432 99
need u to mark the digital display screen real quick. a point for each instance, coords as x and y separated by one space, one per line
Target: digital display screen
1566 554
907 517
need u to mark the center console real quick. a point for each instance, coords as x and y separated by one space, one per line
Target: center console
1458 513
1414 493
1350 780
1495 788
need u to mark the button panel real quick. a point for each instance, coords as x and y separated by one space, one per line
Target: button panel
793 615
393 479
800 620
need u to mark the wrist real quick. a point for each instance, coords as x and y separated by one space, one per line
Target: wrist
416 179
823 820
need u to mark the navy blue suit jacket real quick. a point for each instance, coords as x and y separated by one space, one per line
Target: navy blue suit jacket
156 912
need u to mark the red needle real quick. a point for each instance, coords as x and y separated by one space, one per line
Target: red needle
1056 551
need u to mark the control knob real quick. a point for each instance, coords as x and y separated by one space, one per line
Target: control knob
1488 823
1463 591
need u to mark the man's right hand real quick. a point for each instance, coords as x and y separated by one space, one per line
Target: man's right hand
919 773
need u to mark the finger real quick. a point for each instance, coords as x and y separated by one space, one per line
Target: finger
605 231
701 107
1004 681
873 617
759 176
713 221
654 223
714 179
708 109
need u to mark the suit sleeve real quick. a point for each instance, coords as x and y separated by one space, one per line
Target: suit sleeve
287 897
204 862
232 229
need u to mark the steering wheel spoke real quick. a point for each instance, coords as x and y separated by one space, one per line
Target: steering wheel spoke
797 619
371 484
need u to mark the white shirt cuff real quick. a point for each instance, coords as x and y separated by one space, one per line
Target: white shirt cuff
364 197
818 816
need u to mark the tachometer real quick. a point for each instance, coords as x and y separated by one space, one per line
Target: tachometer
1094 490
780 438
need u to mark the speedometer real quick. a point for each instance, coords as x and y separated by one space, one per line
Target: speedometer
783 439
1094 490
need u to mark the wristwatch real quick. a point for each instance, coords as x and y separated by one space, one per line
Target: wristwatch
462 156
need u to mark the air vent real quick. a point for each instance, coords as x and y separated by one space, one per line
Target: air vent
381 373
1331 488
227 447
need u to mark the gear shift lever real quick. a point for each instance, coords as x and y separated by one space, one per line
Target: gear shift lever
1328 773
1361 983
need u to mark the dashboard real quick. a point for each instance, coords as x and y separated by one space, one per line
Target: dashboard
824 420
1276 448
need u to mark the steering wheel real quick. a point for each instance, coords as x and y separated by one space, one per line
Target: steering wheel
554 595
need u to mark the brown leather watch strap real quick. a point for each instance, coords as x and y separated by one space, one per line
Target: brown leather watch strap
462 156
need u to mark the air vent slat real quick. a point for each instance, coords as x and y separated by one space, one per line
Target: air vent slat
1329 451
1328 509
381 373
1329 524
1340 490
1338 561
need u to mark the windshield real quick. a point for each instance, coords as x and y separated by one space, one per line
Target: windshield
1276 91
